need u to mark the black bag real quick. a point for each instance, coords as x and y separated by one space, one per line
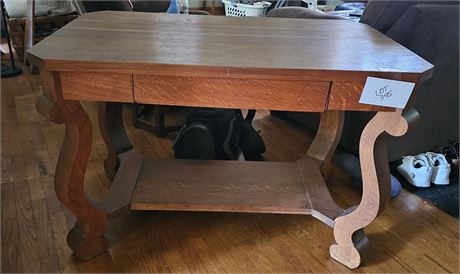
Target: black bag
220 134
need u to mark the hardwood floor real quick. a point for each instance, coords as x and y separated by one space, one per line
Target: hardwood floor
410 236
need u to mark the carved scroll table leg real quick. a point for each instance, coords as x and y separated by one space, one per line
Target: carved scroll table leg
376 183
328 135
114 135
86 238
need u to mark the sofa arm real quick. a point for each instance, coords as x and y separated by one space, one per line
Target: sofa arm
199 12
383 14
299 12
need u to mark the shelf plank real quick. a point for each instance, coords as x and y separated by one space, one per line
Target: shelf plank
122 188
222 186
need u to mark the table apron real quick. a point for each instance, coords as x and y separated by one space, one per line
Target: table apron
276 94
294 95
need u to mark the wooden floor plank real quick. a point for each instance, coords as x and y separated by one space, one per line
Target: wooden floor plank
43 229
11 261
27 229
50 264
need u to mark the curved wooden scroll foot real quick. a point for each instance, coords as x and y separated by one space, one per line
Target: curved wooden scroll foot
87 237
376 183
114 135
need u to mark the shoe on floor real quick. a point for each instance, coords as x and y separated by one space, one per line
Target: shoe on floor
416 170
450 151
440 168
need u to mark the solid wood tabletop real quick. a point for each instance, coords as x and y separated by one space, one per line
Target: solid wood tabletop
134 42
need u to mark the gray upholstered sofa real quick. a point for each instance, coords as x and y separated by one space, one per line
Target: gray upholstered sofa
430 29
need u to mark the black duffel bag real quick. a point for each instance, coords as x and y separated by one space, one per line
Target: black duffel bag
220 134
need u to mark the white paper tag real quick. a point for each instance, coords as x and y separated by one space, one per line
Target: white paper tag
385 92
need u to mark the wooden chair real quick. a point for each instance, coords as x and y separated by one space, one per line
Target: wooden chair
31 29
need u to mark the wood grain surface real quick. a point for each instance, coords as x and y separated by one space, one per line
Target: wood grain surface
328 136
324 207
225 186
235 186
346 95
231 93
122 187
141 42
90 86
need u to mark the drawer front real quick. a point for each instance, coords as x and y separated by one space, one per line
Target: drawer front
85 86
345 96
231 93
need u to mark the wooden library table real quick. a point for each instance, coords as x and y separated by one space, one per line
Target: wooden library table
222 62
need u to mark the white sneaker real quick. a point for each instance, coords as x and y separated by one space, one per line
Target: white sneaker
416 170
440 168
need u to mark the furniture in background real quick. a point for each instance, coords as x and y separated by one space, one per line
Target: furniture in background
305 78
213 5
125 5
8 70
430 29
246 9
29 27
24 34
85 6
152 118
300 12
150 6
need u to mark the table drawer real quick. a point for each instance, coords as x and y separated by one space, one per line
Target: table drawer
87 86
231 93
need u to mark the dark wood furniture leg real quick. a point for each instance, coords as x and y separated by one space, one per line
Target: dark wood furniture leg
321 151
157 127
86 238
114 135
123 163
376 183
327 136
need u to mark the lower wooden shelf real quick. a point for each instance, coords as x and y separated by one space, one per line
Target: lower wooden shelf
234 186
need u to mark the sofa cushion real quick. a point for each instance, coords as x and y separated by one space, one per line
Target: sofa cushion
432 31
382 15
92 6
150 6
299 12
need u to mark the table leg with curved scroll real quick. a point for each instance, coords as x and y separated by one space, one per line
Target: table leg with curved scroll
86 238
376 183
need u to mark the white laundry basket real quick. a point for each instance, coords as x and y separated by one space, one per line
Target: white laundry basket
242 10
